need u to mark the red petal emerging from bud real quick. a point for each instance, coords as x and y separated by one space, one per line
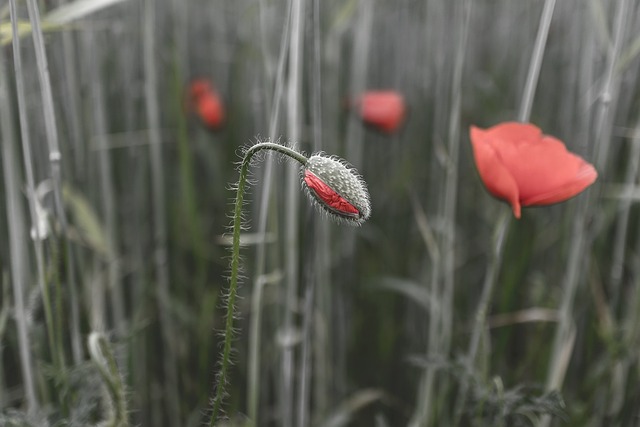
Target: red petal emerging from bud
337 188
328 196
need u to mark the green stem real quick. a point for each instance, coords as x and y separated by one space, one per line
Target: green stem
159 205
235 262
55 159
103 357
18 255
30 176
483 308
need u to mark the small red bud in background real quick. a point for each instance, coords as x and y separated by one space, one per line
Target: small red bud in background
206 103
382 110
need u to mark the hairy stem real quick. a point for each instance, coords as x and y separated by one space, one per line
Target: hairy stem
103 357
235 263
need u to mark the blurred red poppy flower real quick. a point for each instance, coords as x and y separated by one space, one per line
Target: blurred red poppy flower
382 110
206 103
520 165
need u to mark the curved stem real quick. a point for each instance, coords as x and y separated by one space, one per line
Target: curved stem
102 355
235 263
282 149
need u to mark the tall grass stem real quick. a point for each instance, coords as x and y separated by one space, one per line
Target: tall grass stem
604 115
581 238
358 80
253 380
79 167
531 83
305 357
441 322
622 225
621 368
28 159
321 307
19 259
292 200
479 325
107 192
55 159
161 255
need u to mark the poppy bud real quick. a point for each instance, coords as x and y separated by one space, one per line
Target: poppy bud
382 110
519 164
210 110
337 188
207 104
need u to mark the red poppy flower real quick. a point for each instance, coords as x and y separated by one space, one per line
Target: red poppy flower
206 103
519 164
382 110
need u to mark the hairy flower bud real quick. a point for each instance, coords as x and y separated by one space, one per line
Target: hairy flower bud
337 188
